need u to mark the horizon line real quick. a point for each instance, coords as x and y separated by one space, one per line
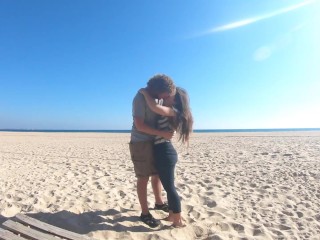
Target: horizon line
129 130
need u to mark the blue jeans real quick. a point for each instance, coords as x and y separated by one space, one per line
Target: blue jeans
165 161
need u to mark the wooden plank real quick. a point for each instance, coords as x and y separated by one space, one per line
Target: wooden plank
51 229
27 231
6 235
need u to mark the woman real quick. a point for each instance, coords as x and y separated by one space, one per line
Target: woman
175 116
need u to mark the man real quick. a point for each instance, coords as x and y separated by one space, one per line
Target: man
143 132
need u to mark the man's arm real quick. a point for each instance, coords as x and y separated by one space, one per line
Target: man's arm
142 127
161 110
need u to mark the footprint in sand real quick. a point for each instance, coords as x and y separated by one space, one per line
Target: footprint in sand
50 193
216 215
18 199
287 155
207 181
238 227
317 217
284 227
27 208
211 204
288 213
199 231
223 226
258 232
211 188
195 214
98 186
279 234
122 194
300 214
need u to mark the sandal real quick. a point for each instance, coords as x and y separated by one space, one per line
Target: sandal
164 207
149 220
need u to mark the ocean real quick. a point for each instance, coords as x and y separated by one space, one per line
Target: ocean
196 130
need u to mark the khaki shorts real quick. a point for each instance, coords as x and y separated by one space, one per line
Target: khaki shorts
142 158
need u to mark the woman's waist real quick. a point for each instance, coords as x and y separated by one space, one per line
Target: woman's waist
164 147
160 140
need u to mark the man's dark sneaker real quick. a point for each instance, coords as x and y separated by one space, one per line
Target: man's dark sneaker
164 207
149 220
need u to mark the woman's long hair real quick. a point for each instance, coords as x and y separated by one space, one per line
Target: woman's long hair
184 120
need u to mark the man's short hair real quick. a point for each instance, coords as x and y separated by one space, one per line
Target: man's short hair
161 83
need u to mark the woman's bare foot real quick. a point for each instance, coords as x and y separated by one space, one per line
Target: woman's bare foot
177 220
170 217
180 225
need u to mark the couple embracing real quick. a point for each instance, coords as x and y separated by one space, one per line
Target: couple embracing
158 111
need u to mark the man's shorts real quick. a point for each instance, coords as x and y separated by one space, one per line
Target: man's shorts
142 158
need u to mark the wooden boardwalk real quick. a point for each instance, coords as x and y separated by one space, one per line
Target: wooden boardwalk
25 227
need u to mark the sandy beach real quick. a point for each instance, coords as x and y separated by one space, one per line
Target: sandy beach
232 185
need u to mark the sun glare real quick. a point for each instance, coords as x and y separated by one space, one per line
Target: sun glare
245 22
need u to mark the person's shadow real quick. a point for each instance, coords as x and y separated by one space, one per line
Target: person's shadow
86 222
3 219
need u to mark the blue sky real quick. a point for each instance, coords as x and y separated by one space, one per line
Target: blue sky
78 64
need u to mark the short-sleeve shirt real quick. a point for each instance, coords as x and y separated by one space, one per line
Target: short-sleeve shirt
141 109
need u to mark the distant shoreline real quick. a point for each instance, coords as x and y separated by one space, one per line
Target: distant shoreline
196 130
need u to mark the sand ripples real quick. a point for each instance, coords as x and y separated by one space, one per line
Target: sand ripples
232 187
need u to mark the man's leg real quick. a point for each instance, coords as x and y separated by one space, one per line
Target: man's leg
157 189
142 183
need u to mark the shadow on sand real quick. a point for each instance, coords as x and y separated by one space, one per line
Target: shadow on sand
3 219
83 223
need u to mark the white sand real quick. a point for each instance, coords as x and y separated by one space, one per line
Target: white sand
232 185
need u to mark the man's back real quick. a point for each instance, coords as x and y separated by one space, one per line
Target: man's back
141 110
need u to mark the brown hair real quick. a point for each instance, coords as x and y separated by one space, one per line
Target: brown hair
184 120
161 83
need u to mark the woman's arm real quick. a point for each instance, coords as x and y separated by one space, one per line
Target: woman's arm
157 108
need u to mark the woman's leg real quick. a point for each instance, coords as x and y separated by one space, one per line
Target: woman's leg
173 198
167 158
166 175
167 179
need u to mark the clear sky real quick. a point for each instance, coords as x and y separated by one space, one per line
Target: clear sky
74 64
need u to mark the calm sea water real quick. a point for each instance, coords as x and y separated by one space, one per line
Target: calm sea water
196 130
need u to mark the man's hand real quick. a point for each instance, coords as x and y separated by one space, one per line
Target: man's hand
167 135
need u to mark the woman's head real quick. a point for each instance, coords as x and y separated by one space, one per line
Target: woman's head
184 119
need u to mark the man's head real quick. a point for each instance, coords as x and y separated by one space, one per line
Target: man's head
161 86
